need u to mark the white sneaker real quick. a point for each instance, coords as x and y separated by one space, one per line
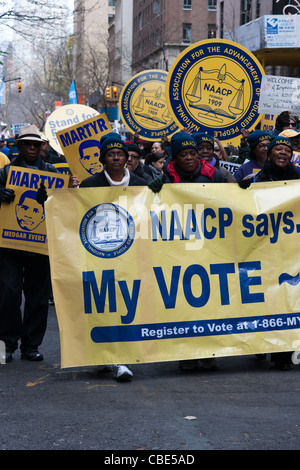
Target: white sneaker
123 373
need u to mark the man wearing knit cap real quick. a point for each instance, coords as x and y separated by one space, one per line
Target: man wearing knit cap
23 271
134 163
258 142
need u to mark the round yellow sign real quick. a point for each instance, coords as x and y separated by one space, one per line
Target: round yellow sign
143 105
214 87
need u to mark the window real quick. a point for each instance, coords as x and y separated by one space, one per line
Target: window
212 29
212 4
156 7
258 2
245 11
222 19
187 4
140 21
187 33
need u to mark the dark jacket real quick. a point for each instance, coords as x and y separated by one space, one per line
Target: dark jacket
205 173
271 172
100 180
141 173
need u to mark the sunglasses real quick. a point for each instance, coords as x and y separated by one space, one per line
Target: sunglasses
29 143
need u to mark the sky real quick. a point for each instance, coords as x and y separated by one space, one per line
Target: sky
6 33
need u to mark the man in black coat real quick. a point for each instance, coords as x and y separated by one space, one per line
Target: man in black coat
23 272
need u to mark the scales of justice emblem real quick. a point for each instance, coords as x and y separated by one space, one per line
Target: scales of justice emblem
151 108
107 230
217 95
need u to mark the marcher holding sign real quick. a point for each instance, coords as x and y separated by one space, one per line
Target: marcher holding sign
23 269
278 167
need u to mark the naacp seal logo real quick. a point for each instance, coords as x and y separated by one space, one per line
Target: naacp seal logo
143 105
215 85
107 231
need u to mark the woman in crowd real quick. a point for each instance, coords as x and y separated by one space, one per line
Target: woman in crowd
258 142
154 163
187 167
277 167
284 121
113 156
205 145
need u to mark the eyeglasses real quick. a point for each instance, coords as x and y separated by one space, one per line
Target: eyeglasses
29 143
115 154
293 124
131 155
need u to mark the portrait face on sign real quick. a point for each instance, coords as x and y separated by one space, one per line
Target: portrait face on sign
30 214
89 153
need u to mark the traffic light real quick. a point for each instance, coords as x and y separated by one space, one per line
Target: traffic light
19 87
115 92
108 92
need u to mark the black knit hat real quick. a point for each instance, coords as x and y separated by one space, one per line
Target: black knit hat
111 141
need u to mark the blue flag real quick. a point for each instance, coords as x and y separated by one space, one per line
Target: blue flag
73 93
1 89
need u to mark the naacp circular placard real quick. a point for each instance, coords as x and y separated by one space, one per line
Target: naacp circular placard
107 230
143 106
214 87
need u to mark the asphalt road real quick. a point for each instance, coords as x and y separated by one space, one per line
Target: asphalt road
244 405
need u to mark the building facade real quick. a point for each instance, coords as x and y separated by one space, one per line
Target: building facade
163 28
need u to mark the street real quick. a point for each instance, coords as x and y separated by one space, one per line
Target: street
244 405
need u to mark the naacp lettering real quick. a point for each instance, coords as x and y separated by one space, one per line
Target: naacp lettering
210 224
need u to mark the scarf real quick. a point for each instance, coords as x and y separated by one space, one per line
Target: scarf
123 182
277 173
206 170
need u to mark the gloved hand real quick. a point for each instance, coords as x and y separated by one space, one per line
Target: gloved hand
244 184
41 195
7 195
157 183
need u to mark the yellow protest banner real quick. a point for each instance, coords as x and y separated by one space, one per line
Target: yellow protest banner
81 145
22 222
194 271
